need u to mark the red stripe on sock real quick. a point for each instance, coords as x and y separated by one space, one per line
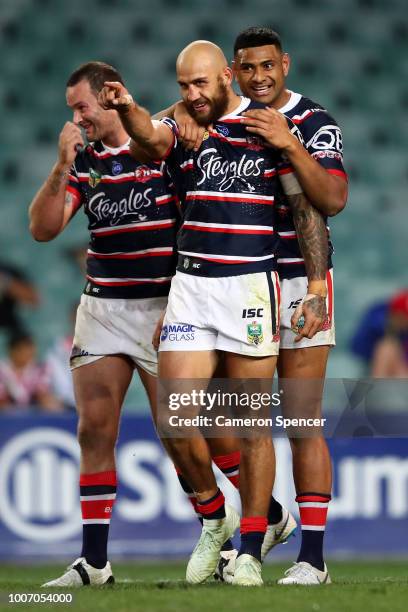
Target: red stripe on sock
206 509
324 499
313 516
227 461
254 523
234 480
101 509
99 478
193 501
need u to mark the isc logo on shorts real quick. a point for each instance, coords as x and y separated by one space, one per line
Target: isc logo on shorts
177 333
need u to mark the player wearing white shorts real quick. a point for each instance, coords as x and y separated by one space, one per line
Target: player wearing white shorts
227 191
133 220
261 68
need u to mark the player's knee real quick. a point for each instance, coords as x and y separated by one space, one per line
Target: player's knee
95 434
300 445
255 444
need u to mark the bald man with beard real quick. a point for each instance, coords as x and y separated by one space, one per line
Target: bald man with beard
226 269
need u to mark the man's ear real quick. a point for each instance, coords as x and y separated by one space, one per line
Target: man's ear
228 75
286 64
234 69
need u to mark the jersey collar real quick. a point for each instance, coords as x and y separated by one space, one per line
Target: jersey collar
294 99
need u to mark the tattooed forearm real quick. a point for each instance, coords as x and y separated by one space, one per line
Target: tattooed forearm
312 236
56 179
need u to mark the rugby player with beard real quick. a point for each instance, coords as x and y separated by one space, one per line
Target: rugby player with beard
261 68
226 248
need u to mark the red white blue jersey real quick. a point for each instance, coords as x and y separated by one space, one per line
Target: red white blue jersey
323 140
133 220
227 190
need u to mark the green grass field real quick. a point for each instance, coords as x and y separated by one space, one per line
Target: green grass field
357 586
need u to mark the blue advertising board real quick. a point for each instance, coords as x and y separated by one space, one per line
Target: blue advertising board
39 503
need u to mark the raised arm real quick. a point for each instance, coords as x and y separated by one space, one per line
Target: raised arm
149 138
326 191
53 206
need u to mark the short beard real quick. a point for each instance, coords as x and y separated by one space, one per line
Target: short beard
218 106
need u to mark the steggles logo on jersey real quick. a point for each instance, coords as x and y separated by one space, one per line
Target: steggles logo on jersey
254 333
224 173
206 135
143 174
103 208
94 178
116 168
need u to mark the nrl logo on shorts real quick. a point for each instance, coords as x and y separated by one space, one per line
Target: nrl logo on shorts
143 174
94 178
186 263
254 333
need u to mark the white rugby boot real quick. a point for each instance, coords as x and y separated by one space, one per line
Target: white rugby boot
278 533
302 572
226 566
80 573
204 557
248 571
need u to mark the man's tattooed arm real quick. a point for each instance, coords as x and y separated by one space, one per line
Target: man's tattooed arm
312 236
57 179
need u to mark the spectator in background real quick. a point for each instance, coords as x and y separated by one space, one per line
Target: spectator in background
390 358
381 338
24 382
15 289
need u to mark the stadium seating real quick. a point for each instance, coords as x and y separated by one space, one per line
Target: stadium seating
349 55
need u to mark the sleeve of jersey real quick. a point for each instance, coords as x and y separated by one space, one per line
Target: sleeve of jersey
173 148
74 188
323 140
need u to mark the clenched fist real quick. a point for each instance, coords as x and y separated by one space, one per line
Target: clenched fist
69 140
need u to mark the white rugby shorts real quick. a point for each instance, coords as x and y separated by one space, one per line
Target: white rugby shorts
237 314
292 292
117 326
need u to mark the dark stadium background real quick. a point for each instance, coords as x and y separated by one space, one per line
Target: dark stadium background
349 55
